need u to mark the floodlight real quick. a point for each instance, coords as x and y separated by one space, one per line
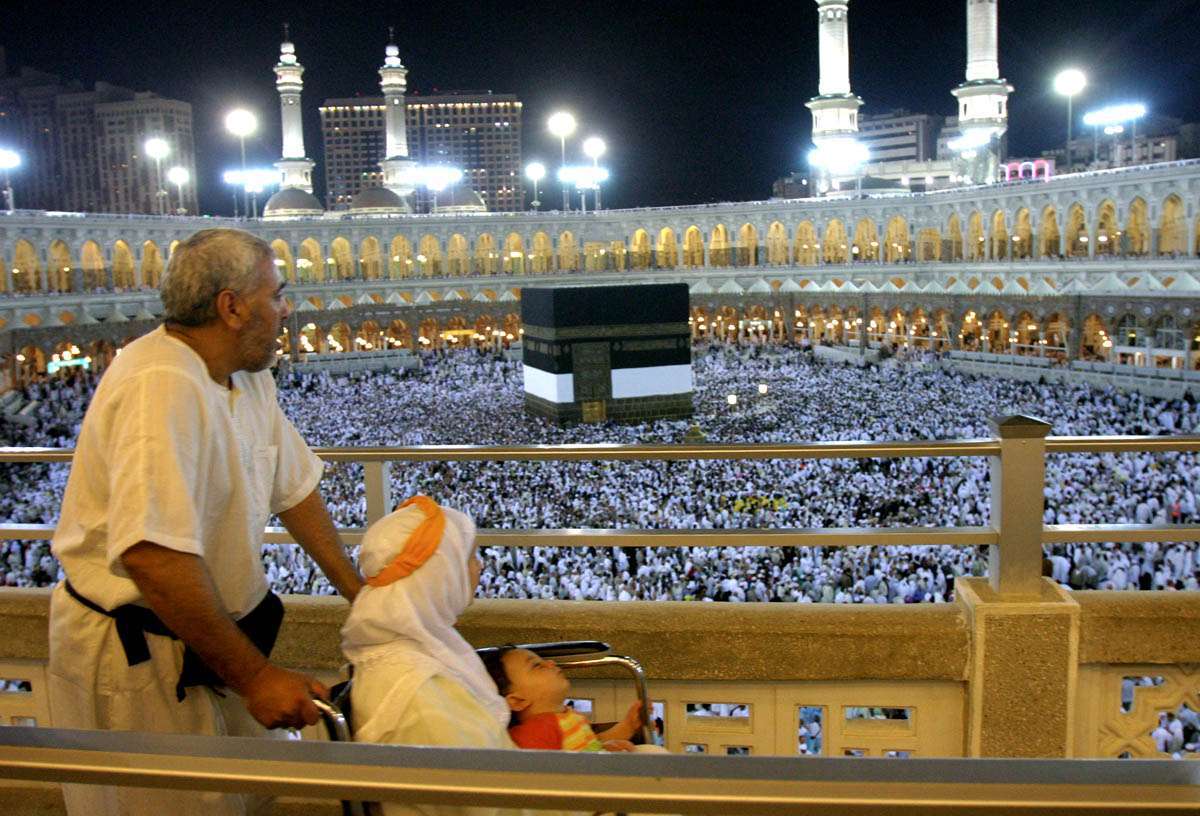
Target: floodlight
157 148
241 122
594 147
179 176
1069 82
1115 115
561 124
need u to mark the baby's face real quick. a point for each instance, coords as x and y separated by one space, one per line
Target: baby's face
537 682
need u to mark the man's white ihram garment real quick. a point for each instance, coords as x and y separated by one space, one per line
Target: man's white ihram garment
416 679
165 455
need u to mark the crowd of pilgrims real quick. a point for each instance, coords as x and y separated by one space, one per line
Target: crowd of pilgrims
468 397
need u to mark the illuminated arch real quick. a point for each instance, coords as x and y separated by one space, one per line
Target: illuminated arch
837 244
1056 333
693 248
340 338
310 265
458 256
639 249
342 266
400 258
370 258
512 326
999 243
1095 342
970 335
943 330
1049 239
91 262
806 247
487 258
747 247
1108 229
429 256
1172 228
283 257
866 240
152 265
929 245
369 337
976 241
514 254
666 254
59 267
543 253
777 244
568 252
430 333
954 238
897 244
1077 232
26 268
720 253
616 254
1028 332
996 332
1137 229
398 335
1022 243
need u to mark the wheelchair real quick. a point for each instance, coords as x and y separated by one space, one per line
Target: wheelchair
338 717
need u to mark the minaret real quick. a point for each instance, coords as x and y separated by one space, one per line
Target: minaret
295 168
835 109
397 166
983 98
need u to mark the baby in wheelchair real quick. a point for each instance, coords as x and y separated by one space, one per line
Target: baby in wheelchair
536 691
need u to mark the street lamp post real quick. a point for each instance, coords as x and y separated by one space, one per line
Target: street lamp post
1068 83
562 125
9 161
535 172
158 149
594 148
179 176
242 123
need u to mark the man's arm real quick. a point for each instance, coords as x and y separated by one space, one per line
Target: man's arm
310 524
179 588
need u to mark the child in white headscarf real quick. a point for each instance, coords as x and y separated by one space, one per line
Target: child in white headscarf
416 680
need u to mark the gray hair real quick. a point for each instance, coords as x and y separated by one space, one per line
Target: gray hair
206 264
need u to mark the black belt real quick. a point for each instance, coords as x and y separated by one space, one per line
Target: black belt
261 625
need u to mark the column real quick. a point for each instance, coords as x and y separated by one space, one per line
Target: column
1024 628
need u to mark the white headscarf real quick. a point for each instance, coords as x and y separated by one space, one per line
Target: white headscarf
413 618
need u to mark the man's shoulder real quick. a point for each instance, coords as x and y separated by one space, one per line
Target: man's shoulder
154 354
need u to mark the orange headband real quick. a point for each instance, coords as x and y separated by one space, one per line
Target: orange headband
422 543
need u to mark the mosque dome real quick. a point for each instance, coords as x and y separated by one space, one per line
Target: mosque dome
378 201
292 202
460 199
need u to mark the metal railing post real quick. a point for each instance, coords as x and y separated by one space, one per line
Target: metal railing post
1018 482
378 483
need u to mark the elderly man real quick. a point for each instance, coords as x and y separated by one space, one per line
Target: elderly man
183 456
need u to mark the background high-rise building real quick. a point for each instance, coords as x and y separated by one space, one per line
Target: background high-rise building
127 174
352 131
479 133
899 135
82 150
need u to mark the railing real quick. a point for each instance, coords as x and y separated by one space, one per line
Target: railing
650 784
1015 537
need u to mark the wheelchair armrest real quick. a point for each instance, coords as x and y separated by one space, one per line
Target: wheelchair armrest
564 648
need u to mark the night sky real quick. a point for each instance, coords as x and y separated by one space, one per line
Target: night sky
698 101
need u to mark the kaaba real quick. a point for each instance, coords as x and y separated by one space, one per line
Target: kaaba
596 353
